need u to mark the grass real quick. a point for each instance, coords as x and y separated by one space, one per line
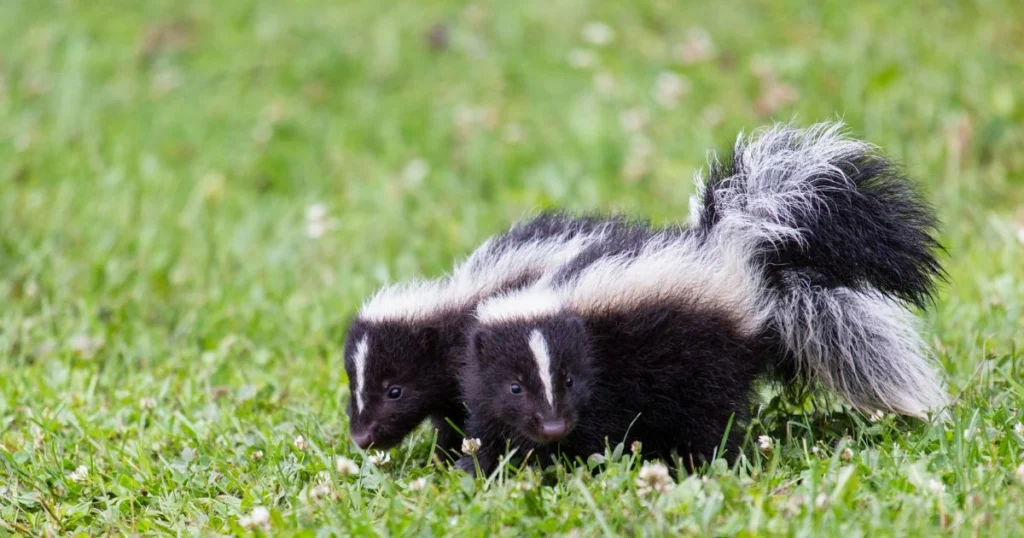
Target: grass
169 325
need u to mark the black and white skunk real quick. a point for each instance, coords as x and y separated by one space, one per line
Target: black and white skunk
803 256
402 347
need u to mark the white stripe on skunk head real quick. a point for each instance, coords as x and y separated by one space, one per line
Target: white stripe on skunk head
539 347
482 274
535 302
862 345
672 269
359 358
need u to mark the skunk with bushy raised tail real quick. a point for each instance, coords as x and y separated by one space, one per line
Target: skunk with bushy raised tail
803 257
403 346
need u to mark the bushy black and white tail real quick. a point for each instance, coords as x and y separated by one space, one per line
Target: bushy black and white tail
847 246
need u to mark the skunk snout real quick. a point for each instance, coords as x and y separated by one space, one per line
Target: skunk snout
549 429
363 437
553 429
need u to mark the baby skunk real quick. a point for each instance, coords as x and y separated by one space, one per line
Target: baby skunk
802 258
402 346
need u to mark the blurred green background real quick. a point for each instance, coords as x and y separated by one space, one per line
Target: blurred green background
196 195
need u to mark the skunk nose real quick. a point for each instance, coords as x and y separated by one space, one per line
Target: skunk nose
552 429
364 437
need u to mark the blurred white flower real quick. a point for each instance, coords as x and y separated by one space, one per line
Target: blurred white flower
633 120
345 466
415 172
512 133
258 518
635 447
316 211
936 487
300 443
1020 472
846 454
582 58
653 477
698 47
766 443
821 501
638 160
380 458
598 33
85 346
80 474
257 455
669 88
1020 235
876 415
605 83
1019 428
470 446
319 491
418 484
147 403
318 222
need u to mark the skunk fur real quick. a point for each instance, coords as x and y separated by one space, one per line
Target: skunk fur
402 346
803 257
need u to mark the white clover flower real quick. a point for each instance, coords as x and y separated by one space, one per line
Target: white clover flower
417 485
512 133
698 47
85 346
821 501
669 88
936 487
318 222
319 491
147 403
1020 472
80 474
766 443
653 477
876 415
598 33
258 518
414 172
1019 428
380 458
300 443
257 455
636 446
582 58
638 160
633 120
470 446
345 466
605 83
846 454
316 211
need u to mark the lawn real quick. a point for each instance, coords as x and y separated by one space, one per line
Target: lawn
195 196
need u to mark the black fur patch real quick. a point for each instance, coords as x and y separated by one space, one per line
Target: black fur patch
670 377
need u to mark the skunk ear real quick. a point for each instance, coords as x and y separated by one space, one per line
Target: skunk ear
476 340
429 337
577 324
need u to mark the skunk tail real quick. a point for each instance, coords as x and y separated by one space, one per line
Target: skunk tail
846 245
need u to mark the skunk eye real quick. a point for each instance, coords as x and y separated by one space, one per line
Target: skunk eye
568 380
394 393
515 389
